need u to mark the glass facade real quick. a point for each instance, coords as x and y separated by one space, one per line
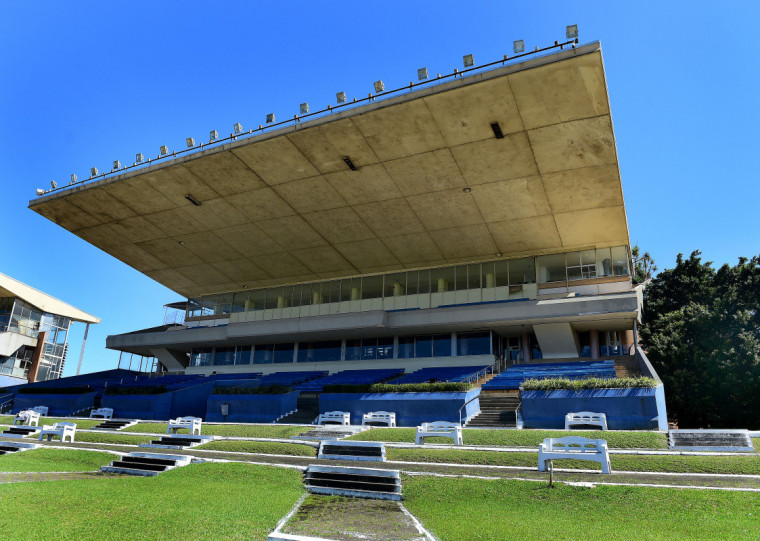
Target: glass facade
20 317
584 265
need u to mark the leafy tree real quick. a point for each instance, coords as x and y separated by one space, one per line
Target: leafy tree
701 332
643 266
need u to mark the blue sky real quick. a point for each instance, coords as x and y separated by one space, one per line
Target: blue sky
85 83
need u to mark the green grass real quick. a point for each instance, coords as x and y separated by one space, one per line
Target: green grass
110 437
81 423
740 465
522 438
263 447
199 501
242 431
470 509
54 460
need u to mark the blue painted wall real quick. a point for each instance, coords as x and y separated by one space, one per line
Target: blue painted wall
411 408
58 404
190 401
250 408
139 406
626 409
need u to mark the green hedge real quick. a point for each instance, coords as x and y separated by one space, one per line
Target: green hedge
552 384
54 390
441 387
252 389
141 389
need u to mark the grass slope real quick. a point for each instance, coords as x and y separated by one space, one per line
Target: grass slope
199 501
522 438
262 447
81 423
53 460
740 465
471 509
242 431
112 437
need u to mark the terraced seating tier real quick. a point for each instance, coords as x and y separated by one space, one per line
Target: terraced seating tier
514 376
349 377
440 373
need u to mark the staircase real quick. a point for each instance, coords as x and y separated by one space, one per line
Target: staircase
145 464
497 410
627 367
110 424
8 448
307 410
355 482
171 441
21 431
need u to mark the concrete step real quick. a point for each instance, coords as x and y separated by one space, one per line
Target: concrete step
146 464
355 482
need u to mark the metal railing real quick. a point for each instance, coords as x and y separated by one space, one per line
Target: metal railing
5 403
464 406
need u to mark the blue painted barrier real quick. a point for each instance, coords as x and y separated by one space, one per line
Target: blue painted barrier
250 408
626 409
411 408
59 405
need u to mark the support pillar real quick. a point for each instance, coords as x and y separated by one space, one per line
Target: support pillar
36 357
525 343
594 337
81 353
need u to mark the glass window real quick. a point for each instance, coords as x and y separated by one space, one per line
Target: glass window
423 281
395 284
473 276
353 350
243 355
223 304
200 357
460 278
283 353
442 279
315 352
442 345
603 262
257 300
372 287
522 271
239 301
350 289
406 347
619 261
207 305
263 354
385 348
424 346
551 268
369 349
224 356
474 343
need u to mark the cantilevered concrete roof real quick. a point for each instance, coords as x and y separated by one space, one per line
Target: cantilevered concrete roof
13 288
284 207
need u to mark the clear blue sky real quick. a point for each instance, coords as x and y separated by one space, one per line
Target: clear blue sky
85 83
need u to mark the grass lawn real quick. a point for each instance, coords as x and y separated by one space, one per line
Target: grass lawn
199 501
57 460
470 509
522 438
740 465
111 437
242 431
81 423
263 447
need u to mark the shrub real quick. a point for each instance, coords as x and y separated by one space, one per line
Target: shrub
54 390
137 389
552 384
441 387
252 389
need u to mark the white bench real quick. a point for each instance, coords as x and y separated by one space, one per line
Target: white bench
440 429
586 418
386 418
105 413
42 410
64 430
334 418
190 423
576 448
27 417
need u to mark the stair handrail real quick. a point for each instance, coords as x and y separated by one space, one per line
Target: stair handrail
463 405
481 373
3 404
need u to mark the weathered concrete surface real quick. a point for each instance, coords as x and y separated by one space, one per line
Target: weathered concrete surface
283 207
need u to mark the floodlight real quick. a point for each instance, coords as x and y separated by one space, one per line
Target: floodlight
93 171
518 46
193 200
164 149
190 142
270 118
116 165
213 136
40 191
379 87
54 184
237 128
422 74
468 61
304 109
350 164
341 97
73 178
571 31
139 157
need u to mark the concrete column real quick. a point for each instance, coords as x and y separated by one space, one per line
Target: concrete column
443 285
355 296
490 282
525 343
628 340
594 336
398 289
36 356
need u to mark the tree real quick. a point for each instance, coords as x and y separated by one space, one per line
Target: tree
643 266
701 331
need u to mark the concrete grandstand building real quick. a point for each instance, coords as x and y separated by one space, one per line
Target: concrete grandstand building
474 220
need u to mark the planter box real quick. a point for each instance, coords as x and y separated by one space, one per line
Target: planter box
626 409
411 408
250 408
